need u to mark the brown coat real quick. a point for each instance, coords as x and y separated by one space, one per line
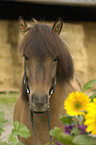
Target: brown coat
22 114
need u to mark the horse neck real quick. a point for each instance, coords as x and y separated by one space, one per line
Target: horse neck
61 93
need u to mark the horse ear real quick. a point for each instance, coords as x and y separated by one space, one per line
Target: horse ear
57 27
22 25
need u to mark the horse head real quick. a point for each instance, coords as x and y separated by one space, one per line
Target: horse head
46 59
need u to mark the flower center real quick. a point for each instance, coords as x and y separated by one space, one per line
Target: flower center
77 105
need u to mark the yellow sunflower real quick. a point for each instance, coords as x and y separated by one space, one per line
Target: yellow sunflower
90 117
76 103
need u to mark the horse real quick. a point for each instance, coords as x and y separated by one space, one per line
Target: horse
48 79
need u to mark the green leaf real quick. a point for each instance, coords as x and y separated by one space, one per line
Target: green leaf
55 131
66 119
80 119
21 130
4 143
75 131
84 140
89 85
12 138
61 137
93 96
1 130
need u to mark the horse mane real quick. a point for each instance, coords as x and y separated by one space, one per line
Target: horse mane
41 42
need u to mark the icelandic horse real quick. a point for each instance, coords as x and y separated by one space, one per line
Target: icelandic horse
47 81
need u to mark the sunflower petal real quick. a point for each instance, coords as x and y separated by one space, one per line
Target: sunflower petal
94 131
89 121
90 128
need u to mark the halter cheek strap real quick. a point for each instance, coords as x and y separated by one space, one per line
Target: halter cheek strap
25 79
51 91
32 122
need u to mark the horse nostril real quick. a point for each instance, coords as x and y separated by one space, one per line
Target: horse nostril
39 101
34 98
45 99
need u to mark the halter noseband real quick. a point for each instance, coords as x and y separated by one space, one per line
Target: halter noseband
51 91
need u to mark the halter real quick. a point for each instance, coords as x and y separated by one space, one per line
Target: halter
51 91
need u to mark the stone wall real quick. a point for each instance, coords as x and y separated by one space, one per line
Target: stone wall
82 42
81 38
10 60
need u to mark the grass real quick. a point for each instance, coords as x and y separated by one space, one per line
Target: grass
8 98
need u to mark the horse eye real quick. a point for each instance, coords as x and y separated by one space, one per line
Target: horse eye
55 59
26 57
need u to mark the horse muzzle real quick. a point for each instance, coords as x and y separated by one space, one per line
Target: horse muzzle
39 104
39 108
